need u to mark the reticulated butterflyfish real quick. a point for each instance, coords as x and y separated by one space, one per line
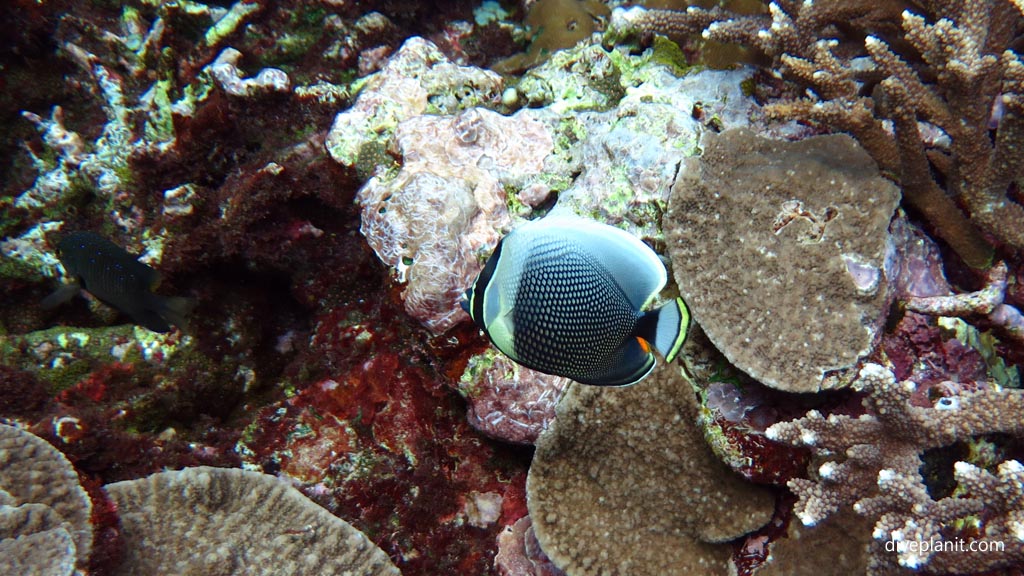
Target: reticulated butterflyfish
567 296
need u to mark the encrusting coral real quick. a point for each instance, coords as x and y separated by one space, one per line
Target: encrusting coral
623 483
214 521
966 82
780 250
872 463
432 219
509 401
418 78
842 539
42 505
50 552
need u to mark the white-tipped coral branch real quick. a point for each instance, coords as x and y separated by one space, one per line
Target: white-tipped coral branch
872 462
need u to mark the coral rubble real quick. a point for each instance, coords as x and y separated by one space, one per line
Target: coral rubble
780 250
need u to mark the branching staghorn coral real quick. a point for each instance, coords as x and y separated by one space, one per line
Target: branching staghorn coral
872 462
947 70
986 303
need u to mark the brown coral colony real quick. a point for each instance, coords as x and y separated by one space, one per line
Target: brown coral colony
938 102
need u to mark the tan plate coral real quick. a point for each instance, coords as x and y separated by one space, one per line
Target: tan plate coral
44 511
779 249
623 483
221 521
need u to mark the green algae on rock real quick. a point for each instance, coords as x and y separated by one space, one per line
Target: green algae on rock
780 250
584 78
62 355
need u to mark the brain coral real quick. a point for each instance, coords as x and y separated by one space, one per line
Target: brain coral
780 250
623 483
43 507
221 521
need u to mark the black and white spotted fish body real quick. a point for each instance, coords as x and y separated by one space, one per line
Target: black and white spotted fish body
565 296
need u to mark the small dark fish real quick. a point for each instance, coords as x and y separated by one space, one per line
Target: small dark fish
117 278
567 296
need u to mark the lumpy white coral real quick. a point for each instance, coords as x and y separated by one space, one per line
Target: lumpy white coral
440 215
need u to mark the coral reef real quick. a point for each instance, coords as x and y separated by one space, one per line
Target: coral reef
471 165
434 220
872 462
480 171
964 86
623 483
417 79
153 125
795 236
508 401
42 508
379 438
222 521
271 159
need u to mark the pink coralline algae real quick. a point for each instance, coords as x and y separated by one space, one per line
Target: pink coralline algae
442 213
417 79
519 553
508 401
379 439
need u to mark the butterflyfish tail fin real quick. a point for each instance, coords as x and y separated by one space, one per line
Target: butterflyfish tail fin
666 328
